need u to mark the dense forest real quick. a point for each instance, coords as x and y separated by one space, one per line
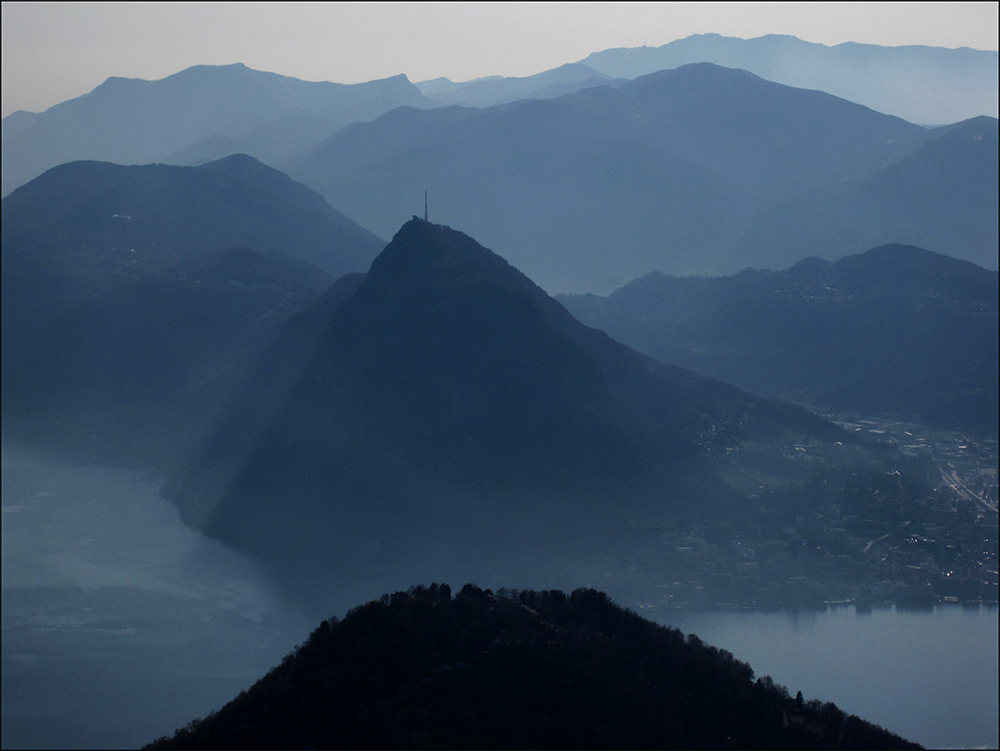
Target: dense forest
423 669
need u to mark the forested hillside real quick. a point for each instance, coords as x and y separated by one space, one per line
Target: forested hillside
423 669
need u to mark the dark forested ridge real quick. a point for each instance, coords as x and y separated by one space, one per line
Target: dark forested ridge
423 669
897 330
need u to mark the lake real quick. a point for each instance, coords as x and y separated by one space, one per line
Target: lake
930 676
120 624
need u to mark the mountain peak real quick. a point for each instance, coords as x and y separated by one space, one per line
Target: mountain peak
421 247
243 165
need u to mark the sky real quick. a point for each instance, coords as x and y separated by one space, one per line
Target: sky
52 52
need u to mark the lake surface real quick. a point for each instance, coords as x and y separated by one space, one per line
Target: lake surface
120 624
930 676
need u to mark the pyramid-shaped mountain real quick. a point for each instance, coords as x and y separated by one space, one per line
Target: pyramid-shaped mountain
450 392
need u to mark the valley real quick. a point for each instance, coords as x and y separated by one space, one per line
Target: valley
697 336
119 628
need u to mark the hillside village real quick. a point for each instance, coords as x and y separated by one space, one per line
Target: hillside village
942 549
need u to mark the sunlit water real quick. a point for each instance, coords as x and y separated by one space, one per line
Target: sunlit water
121 624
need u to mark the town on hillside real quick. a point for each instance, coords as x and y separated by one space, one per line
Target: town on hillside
863 544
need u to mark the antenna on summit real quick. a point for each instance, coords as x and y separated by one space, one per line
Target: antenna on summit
425 205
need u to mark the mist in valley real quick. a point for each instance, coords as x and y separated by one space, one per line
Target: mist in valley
119 622
244 394
122 624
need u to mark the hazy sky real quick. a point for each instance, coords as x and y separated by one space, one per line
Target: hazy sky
56 51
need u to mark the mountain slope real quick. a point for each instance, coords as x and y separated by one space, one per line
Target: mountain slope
771 138
449 396
87 226
486 92
665 171
132 121
943 197
130 311
133 375
896 330
522 670
926 85
253 403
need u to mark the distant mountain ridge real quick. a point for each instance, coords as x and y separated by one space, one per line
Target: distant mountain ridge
943 196
925 85
207 112
671 171
698 190
894 331
133 121
485 92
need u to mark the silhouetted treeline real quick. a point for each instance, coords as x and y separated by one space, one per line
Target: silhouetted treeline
421 669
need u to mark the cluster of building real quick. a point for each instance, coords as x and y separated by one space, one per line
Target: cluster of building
873 543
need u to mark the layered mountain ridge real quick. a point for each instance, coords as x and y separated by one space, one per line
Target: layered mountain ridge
691 170
358 416
942 196
202 113
85 226
925 85
895 331
688 171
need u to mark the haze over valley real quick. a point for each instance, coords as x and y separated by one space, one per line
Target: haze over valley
707 329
